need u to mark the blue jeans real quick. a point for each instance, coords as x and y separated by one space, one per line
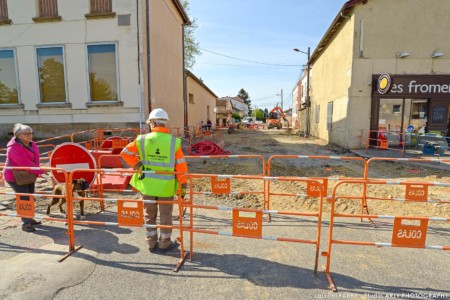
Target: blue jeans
27 188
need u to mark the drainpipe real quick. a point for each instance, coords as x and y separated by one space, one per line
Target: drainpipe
185 105
147 27
138 38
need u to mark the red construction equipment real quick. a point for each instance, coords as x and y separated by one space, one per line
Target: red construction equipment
274 119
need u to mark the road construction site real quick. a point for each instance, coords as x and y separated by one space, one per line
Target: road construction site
271 174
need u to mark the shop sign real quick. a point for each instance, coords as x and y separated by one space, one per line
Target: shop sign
411 85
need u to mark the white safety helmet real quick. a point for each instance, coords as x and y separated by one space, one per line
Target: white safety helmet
158 114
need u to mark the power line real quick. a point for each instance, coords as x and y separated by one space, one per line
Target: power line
250 61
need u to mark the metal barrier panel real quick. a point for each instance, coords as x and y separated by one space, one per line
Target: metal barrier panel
129 211
205 193
25 202
233 163
406 231
319 168
386 140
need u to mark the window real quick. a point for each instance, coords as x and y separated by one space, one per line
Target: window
52 81
100 8
191 98
419 109
396 108
4 13
102 72
8 78
47 11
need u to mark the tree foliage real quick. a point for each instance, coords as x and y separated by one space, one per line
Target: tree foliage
191 45
244 96
52 83
8 95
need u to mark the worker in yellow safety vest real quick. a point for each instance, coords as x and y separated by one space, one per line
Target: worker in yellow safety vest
157 151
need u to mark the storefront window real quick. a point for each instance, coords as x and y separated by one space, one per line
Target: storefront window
417 114
390 115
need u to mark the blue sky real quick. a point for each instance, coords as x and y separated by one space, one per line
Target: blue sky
263 31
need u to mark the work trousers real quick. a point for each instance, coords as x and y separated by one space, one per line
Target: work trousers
165 218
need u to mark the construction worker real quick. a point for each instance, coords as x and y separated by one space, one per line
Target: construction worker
157 151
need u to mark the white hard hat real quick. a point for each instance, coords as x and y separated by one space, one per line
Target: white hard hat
158 114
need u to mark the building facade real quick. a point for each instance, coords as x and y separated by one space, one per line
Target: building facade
377 68
69 65
201 101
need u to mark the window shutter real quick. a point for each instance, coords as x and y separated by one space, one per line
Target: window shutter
330 115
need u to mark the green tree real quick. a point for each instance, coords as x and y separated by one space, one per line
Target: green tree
8 95
100 89
51 77
259 114
191 45
244 96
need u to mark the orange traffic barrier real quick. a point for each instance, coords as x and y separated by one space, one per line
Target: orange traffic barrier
25 206
382 140
404 234
246 222
129 211
312 190
248 160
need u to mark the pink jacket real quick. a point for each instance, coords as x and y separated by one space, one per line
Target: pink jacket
18 155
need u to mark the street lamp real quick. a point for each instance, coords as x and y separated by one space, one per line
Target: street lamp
308 103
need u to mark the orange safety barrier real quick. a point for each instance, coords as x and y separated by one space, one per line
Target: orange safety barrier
103 135
403 235
223 157
382 140
392 159
25 206
129 211
312 190
246 222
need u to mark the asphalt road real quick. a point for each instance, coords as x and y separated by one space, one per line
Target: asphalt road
114 263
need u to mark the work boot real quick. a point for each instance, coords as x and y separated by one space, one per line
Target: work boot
152 242
166 244
34 222
27 227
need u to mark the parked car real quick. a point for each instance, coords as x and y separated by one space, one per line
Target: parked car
247 120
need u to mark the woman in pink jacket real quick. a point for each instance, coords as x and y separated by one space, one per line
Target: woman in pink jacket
22 152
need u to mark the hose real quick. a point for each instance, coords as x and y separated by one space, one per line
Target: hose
207 148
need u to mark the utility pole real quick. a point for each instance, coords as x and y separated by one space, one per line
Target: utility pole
308 102
282 99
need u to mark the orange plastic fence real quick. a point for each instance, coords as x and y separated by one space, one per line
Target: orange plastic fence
25 206
240 157
312 189
246 223
129 211
403 235
382 141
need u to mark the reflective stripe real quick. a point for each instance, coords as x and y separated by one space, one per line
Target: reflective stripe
158 176
128 152
151 233
180 161
165 235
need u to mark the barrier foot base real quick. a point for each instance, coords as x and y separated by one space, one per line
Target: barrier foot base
330 282
70 253
181 262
